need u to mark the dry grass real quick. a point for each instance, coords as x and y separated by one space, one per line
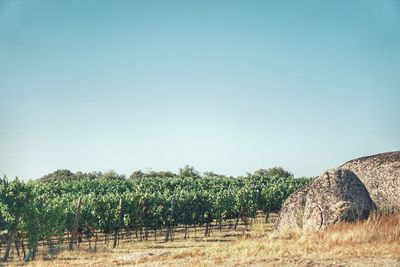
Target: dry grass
378 228
372 242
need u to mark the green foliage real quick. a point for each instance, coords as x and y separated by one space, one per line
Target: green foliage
58 175
46 208
17 212
273 172
67 175
111 175
161 174
137 174
189 171
213 175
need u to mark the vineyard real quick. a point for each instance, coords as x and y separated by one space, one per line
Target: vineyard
59 213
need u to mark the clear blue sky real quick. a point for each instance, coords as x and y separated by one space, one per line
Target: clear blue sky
227 86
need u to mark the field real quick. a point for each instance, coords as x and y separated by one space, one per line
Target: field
46 217
184 221
366 243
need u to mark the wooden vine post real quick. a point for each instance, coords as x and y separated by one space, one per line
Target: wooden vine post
239 214
172 217
170 221
209 221
255 206
186 227
76 223
119 224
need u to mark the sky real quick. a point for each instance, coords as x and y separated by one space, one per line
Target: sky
224 86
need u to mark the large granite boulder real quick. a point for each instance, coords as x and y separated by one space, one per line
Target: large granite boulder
381 176
292 211
347 193
335 196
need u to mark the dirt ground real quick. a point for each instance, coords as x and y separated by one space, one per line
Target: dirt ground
375 242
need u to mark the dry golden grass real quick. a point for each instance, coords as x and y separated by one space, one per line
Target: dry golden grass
372 242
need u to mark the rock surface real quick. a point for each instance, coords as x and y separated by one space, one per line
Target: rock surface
381 176
347 193
335 196
292 211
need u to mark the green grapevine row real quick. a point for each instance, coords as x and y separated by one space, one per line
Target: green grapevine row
44 210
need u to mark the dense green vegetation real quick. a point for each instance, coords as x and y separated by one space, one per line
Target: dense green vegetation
45 208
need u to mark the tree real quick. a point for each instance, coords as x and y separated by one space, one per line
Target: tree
274 171
137 174
160 174
189 171
58 175
213 174
110 175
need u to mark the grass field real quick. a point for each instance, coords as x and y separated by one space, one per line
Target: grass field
366 243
